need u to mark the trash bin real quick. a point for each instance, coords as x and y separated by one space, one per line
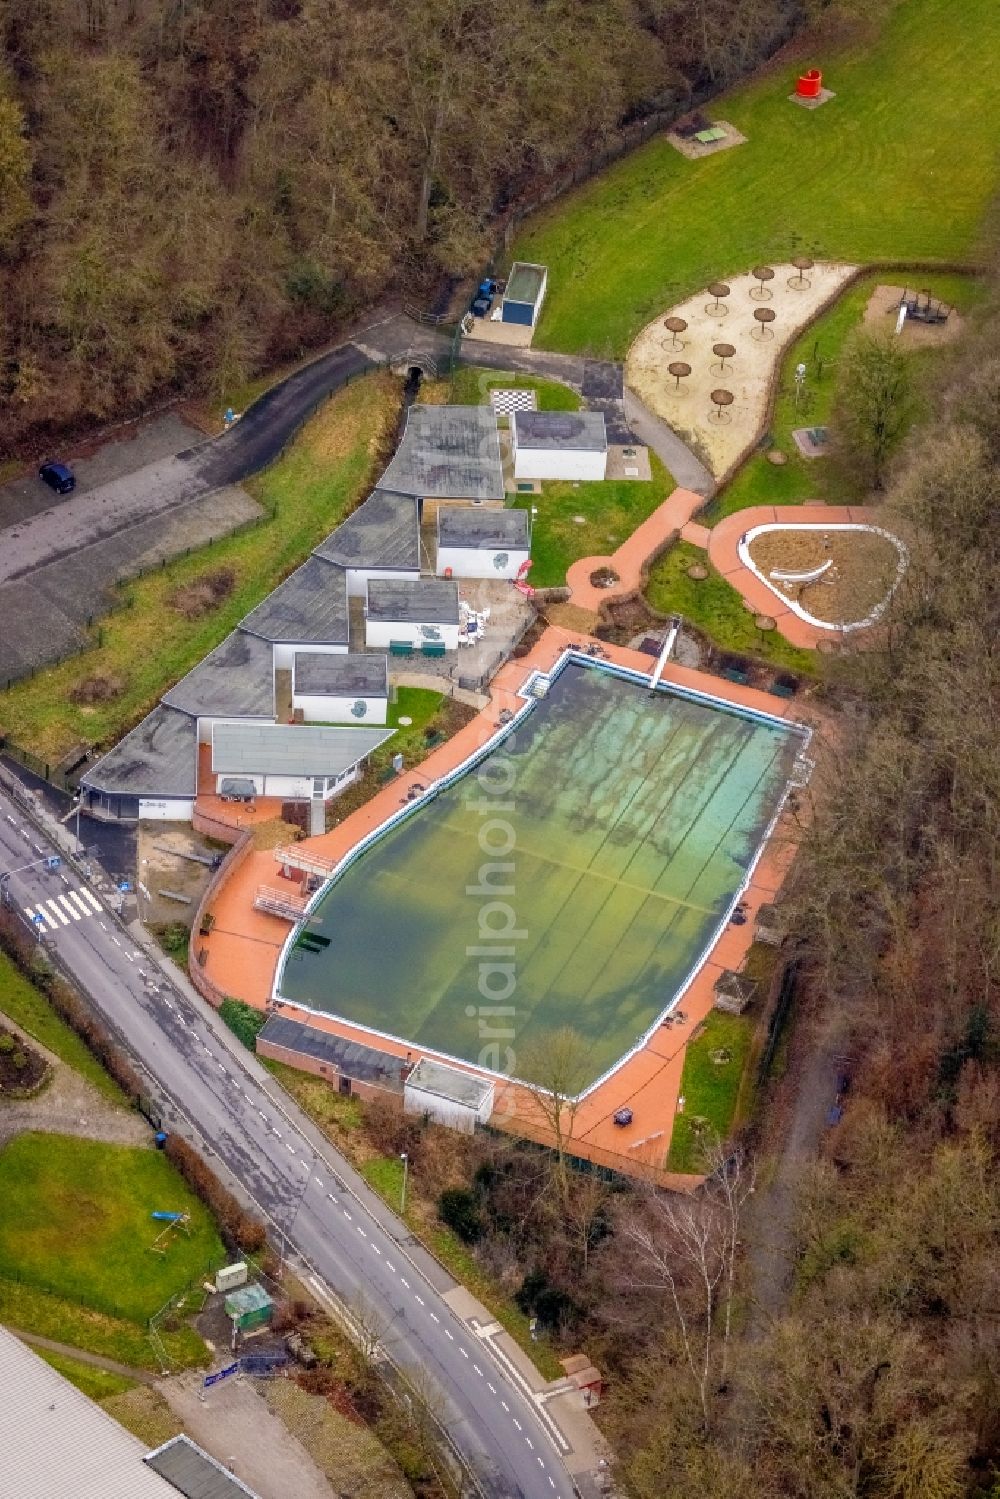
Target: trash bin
810 84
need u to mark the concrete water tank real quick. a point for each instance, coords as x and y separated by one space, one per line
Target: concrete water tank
810 84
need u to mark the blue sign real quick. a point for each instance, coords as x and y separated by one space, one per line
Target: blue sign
53 861
38 919
220 1374
124 886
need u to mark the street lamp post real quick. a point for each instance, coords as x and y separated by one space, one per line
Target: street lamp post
406 1169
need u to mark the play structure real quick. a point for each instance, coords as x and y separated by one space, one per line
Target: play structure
810 84
174 1223
921 307
810 575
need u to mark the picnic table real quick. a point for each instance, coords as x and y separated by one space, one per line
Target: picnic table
711 135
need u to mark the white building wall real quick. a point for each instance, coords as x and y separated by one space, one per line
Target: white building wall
284 654
292 788
549 463
357 578
326 708
444 1111
166 809
473 562
379 633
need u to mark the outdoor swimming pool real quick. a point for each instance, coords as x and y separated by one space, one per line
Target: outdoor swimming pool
575 877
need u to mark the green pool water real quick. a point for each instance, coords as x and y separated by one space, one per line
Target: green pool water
610 833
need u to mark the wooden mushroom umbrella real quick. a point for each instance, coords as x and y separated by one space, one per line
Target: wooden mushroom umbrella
680 371
697 572
762 274
717 290
764 317
722 353
720 400
675 325
764 623
799 282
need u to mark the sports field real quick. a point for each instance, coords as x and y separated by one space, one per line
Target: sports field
574 879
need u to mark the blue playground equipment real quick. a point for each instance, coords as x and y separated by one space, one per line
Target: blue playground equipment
168 1217
172 1223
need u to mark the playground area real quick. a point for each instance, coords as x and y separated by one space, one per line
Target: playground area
837 575
707 365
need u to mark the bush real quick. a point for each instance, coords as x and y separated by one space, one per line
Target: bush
458 1208
540 1298
241 1231
243 1020
7 1044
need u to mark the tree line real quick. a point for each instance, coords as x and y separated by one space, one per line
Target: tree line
193 190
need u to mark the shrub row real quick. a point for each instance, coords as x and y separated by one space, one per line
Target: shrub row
241 1231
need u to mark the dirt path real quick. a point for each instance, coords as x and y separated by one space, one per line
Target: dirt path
70 1105
95 1360
799 1117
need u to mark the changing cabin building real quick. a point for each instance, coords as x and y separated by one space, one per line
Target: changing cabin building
473 542
559 445
448 455
421 615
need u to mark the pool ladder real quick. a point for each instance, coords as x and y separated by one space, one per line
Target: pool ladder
664 655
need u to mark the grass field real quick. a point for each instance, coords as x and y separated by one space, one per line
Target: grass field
23 1305
713 605
710 1088
899 167
76 1223
624 868
324 474
609 511
27 1006
470 386
97 1384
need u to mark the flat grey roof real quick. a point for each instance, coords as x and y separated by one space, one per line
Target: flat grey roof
310 607
384 531
363 1063
340 676
425 601
193 1473
158 758
524 282
233 681
290 749
486 530
579 431
450 1082
448 453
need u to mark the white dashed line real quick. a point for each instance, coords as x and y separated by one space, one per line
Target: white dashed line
505 1406
449 1334
103 925
331 1196
434 1315
115 940
479 1371
391 1268
463 1353
129 956
516 1422
492 1388
377 1250
318 1180
541 1464
552 1483
362 1232
347 1216
261 1113
290 1146
403 1281
530 1443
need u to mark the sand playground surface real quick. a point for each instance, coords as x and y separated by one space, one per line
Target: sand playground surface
747 374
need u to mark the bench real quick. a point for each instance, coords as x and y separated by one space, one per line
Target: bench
400 647
433 648
710 136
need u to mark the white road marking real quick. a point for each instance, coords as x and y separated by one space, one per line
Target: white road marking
377 1250
463 1352
89 895
391 1268
541 1463
115 940
420 1301
261 1113
530 1443
77 899
348 1216
103 926
129 956
331 1196
552 1483
67 907
449 1334
434 1316
403 1281
492 1388
362 1232
479 1371
41 918
516 1422
505 1406
318 1180
63 920
276 1132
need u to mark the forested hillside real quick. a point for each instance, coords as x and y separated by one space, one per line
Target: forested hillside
191 189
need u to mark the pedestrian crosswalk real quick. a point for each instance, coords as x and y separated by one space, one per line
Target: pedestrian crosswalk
62 910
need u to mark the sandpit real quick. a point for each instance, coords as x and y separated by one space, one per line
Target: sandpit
842 576
883 308
687 405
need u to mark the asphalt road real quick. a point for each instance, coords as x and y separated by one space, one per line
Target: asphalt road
341 1234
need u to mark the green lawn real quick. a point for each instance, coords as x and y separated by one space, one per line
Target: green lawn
471 386
762 483
899 167
715 607
27 1006
710 1089
610 510
326 471
97 1384
24 1306
76 1223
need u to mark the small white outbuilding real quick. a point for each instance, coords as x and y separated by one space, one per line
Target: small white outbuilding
559 444
340 689
476 543
421 615
448 1095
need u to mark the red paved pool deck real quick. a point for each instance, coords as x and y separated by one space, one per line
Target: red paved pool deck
243 946
630 558
723 553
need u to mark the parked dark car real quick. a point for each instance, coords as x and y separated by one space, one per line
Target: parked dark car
58 477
